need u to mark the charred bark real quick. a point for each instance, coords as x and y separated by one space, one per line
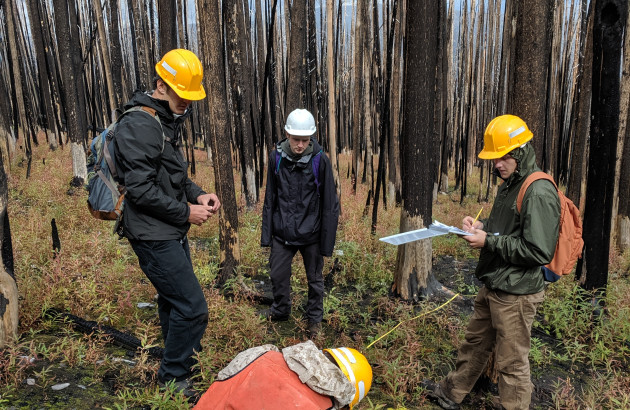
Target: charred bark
532 48
296 58
413 264
69 52
610 18
168 27
213 58
241 95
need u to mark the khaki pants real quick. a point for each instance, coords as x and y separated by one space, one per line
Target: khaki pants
504 321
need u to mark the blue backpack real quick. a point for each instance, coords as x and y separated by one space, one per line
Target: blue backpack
106 196
315 162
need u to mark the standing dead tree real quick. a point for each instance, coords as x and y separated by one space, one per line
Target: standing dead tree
385 121
239 70
412 278
219 129
72 86
49 124
167 25
530 67
620 220
8 287
610 19
332 94
296 74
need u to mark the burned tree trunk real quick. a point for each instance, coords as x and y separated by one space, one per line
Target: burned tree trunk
70 53
168 27
297 57
8 287
623 211
610 18
528 95
45 95
100 23
239 69
142 54
395 179
17 96
581 110
115 51
621 192
212 47
357 75
413 278
332 94
384 120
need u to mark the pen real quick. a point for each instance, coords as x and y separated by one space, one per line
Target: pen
477 217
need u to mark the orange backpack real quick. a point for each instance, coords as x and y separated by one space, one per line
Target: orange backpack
570 243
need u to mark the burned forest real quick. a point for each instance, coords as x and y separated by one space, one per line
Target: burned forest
401 92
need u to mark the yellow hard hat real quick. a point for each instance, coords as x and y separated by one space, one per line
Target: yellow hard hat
183 72
503 134
356 368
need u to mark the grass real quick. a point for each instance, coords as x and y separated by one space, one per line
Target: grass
96 276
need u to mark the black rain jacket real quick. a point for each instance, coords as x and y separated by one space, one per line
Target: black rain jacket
154 171
295 211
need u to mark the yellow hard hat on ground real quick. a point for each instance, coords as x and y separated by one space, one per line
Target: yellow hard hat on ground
183 72
356 368
503 134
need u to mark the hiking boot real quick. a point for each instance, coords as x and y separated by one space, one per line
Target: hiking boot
434 391
314 329
184 387
268 314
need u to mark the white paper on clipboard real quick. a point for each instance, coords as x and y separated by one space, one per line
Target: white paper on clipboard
435 229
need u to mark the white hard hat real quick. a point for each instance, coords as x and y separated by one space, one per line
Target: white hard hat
300 122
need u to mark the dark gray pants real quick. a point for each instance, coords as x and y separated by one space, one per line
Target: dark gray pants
281 258
182 306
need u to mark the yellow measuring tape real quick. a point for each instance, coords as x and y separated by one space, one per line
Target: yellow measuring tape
413 318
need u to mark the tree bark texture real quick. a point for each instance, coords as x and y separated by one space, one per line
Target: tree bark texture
531 65
413 265
69 52
239 70
45 94
582 112
219 129
8 288
621 192
610 19
167 9
332 94
297 57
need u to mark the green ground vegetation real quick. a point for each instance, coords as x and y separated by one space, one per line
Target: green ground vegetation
577 360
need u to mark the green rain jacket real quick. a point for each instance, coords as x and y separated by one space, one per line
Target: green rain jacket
517 245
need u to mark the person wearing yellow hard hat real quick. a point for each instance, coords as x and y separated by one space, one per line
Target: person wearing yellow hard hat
514 245
300 376
161 203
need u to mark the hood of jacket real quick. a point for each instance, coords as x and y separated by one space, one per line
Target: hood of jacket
525 164
298 158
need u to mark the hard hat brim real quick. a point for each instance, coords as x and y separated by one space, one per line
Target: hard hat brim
300 133
491 154
190 95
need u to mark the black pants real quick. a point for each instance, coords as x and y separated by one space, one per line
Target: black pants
182 306
281 258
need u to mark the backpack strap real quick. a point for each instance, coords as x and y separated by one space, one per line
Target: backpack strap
107 154
534 176
278 159
316 160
